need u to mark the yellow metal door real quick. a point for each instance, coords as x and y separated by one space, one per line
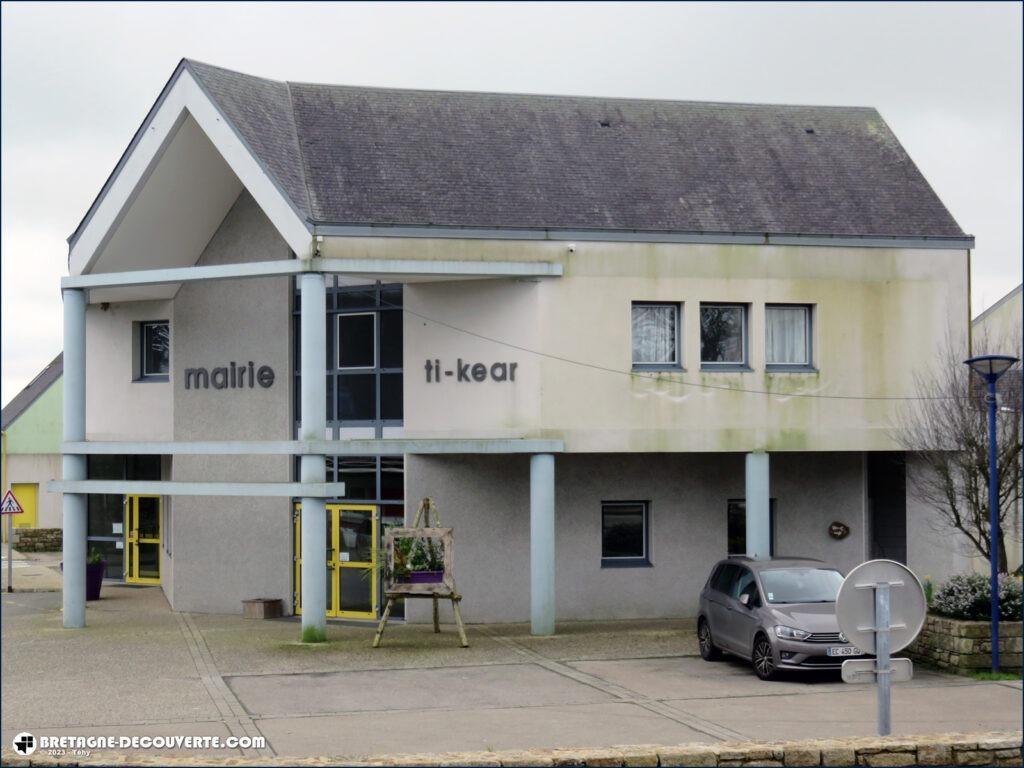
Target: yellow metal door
356 568
27 495
142 539
351 560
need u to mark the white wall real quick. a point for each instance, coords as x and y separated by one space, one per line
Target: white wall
880 315
116 406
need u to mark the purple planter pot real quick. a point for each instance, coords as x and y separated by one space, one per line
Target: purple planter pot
93 578
426 577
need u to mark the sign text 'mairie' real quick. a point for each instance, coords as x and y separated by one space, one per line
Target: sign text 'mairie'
232 376
469 371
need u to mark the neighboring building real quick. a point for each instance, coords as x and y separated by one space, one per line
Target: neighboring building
1002 321
997 326
516 285
31 448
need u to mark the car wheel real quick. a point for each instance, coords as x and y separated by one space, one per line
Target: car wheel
708 650
763 659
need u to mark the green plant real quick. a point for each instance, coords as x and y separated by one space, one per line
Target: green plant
426 555
929 590
398 569
95 556
967 596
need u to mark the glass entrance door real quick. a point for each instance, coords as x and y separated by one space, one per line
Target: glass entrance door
351 560
142 540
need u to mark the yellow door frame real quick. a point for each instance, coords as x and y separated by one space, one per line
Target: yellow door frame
132 539
336 564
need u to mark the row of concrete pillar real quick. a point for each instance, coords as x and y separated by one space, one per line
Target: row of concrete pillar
313 363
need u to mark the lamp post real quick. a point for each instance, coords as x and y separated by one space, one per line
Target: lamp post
990 368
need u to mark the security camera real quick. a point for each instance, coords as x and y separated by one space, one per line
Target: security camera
572 247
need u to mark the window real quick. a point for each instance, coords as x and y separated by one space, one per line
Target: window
788 336
724 577
656 335
737 527
357 340
723 335
364 357
745 584
155 354
624 533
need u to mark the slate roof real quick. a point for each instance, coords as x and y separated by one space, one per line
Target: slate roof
374 156
32 391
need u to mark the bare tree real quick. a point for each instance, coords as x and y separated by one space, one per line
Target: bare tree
947 430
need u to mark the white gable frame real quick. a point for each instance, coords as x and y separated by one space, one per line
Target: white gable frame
182 96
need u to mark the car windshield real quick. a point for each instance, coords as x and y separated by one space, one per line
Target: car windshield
801 585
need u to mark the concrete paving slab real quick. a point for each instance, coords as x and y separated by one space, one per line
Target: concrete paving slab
603 639
491 686
102 701
593 725
240 646
32 571
690 678
924 709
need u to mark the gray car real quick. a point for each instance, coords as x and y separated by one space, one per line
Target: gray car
778 614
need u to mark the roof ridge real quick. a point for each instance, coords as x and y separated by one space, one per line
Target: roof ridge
583 97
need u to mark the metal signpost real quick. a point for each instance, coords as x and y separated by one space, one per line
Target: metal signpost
881 609
10 507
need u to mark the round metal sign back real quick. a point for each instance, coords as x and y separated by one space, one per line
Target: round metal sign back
855 605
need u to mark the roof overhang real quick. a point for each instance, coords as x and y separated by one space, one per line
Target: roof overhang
340 232
173 186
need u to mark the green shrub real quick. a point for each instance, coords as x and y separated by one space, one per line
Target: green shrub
967 596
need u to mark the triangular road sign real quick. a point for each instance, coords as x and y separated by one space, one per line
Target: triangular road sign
10 505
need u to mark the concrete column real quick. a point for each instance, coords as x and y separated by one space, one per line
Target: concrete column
542 544
313 343
74 504
758 507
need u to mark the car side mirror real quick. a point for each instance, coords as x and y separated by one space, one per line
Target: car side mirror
745 599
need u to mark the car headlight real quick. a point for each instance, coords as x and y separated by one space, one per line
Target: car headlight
791 633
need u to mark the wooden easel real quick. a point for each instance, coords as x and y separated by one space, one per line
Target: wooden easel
445 588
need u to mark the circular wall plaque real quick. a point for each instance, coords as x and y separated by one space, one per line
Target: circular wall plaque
838 530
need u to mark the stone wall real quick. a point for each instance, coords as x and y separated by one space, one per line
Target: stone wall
964 646
38 540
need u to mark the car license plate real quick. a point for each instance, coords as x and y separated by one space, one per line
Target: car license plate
844 650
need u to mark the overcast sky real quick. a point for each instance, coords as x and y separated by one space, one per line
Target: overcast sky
78 79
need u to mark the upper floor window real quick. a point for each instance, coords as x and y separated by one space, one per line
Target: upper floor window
788 335
656 335
155 350
364 356
723 335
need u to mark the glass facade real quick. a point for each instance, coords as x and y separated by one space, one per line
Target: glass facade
364 390
106 523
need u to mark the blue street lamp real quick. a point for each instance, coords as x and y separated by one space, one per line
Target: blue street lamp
990 368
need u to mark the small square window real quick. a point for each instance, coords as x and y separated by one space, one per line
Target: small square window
624 533
723 335
656 335
737 528
155 352
788 335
